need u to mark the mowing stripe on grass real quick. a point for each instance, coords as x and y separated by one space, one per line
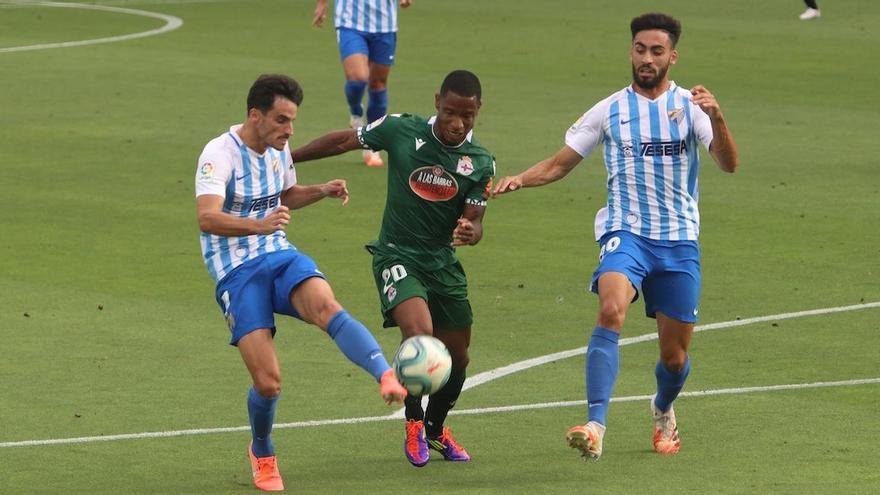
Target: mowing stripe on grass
171 23
482 410
490 375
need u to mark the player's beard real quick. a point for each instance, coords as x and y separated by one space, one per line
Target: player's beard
650 83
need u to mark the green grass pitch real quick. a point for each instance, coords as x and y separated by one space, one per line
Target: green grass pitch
107 319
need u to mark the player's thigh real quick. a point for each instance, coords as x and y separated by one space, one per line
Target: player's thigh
290 269
448 298
621 252
314 301
675 289
381 48
245 297
354 54
397 280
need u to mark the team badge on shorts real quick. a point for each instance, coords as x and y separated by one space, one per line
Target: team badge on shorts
392 293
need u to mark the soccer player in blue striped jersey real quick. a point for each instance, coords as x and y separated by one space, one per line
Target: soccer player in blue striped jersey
647 232
246 186
366 32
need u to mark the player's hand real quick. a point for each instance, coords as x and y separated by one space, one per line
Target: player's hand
405 3
507 184
464 234
276 220
706 101
320 14
336 188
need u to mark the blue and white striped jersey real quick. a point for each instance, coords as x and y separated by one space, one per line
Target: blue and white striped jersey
651 156
368 16
251 185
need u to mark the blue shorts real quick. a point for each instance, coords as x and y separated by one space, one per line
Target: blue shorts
668 272
379 47
257 288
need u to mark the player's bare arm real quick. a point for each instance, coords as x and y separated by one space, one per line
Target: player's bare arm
330 144
469 230
300 196
546 171
212 219
723 147
320 13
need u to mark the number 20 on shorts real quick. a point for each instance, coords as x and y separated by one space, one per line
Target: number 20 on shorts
390 275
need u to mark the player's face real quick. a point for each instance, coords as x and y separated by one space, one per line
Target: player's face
651 55
456 116
275 127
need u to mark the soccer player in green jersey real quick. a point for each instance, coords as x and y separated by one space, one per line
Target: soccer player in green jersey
438 182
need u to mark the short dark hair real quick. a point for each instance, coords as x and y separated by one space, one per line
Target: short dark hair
463 83
267 87
656 20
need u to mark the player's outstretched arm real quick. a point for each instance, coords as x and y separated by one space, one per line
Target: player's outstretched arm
300 196
330 144
723 147
212 219
546 171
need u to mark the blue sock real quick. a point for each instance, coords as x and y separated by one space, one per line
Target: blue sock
261 412
603 363
354 93
669 384
377 104
357 343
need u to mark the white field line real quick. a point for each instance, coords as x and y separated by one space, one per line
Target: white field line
484 410
490 375
171 23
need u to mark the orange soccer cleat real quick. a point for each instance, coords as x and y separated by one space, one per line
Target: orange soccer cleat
666 440
265 470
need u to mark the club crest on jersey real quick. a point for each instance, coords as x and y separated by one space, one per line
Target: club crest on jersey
465 166
433 183
676 115
627 148
275 164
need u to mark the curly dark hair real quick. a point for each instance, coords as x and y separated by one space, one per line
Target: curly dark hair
656 20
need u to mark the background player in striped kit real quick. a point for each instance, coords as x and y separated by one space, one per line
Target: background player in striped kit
366 32
245 186
648 230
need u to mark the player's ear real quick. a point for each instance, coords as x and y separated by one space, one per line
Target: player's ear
674 57
437 101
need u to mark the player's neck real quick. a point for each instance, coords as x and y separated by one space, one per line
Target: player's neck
652 93
251 139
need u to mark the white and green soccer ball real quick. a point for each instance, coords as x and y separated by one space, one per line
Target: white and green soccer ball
422 364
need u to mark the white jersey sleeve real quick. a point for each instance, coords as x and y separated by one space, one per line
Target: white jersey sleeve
289 170
588 131
702 125
214 169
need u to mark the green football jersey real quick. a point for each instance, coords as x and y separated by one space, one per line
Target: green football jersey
429 183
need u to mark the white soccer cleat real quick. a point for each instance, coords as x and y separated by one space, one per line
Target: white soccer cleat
666 440
356 121
587 439
810 13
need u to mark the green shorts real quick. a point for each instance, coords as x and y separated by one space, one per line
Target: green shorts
399 278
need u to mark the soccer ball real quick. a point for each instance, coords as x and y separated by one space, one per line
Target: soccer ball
422 364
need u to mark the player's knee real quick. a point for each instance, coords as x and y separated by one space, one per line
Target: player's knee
460 359
612 315
323 312
378 84
674 360
268 384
